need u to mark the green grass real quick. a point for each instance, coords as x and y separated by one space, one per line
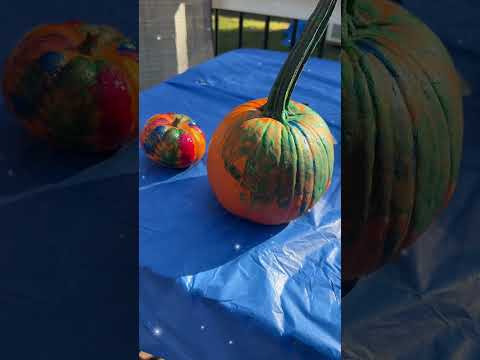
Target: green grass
253 33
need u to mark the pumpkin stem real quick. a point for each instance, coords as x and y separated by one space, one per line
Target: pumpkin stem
177 120
89 44
277 106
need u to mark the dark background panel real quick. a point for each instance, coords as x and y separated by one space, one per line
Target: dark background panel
68 223
425 305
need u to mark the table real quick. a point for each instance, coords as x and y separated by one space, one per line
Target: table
213 286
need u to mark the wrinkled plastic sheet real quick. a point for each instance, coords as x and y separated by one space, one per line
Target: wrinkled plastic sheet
213 286
426 304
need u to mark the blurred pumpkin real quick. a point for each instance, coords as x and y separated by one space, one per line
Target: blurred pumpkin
75 85
271 159
173 140
402 126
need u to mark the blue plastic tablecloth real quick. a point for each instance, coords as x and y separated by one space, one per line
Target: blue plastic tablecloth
213 286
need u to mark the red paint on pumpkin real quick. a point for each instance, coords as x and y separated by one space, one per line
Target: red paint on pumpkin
187 149
113 97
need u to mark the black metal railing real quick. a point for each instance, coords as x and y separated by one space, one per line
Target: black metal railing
266 35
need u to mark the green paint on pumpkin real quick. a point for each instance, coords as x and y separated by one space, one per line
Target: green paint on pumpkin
80 73
169 150
281 160
100 65
73 120
402 130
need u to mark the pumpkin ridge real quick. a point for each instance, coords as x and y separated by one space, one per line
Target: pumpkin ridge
284 199
416 122
294 169
155 150
403 199
364 45
426 74
287 198
411 115
395 229
170 160
279 154
382 174
301 174
370 163
358 219
226 151
311 201
323 153
445 118
258 195
322 179
423 190
436 189
248 176
398 237
133 85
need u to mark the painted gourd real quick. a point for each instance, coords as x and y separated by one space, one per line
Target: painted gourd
402 126
270 160
75 85
173 140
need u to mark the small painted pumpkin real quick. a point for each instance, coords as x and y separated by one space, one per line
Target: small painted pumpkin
402 126
271 160
173 140
75 85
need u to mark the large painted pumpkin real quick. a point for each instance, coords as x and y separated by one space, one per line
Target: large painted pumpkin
75 85
402 127
271 159
173 140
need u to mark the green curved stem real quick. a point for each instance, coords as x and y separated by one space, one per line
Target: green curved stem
279 98
177 121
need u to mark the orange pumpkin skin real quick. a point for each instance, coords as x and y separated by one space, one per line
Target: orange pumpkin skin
266 171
